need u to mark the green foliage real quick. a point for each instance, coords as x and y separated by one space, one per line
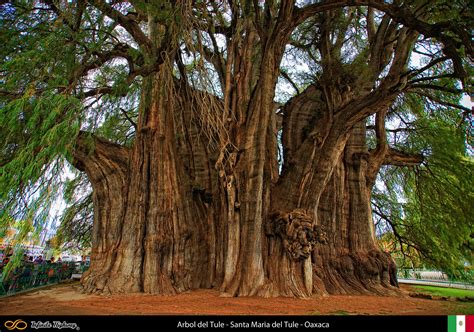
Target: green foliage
76 221
37 133
429 208
47 65
39 119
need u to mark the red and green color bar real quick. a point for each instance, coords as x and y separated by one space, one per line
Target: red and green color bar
461 323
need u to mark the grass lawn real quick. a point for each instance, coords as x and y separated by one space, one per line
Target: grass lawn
442 291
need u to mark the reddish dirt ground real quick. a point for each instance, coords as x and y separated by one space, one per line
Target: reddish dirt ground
66 299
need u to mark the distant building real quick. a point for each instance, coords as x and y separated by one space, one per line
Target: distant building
31 247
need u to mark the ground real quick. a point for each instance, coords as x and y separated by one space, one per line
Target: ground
66 299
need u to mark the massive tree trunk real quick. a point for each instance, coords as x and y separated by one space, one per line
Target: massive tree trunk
249 184
350 262
154 228
327 159
107 167
165 223
181 209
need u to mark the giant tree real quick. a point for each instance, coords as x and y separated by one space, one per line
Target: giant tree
170 108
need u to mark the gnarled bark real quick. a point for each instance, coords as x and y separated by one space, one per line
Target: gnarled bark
153 204
107 166
333 185
190 216
351 262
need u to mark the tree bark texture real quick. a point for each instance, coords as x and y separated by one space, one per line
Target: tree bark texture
180 209
156 226
350 262
168 220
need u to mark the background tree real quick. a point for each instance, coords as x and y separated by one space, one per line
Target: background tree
169 108
426 210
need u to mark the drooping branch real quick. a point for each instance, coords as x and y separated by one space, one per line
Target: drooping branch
129 119
428 66
396 228
432 78
287 77
118 51
395 130
421 87
142 71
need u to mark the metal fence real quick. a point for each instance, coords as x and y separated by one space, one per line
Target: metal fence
29 275
422 274
433 275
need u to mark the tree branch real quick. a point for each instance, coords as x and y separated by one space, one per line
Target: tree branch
401 239
442 31
130 25
398 158
129 119
99 158
431 78
118 51
428 66
418 87
394 131
285 75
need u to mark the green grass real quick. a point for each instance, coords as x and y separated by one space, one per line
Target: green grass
442 291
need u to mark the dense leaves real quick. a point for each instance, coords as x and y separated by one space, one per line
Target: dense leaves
425 213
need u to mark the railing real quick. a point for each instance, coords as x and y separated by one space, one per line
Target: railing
435 278
420 274
29 275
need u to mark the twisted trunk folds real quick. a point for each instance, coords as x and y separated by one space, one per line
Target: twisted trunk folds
181 209
153 229
166 220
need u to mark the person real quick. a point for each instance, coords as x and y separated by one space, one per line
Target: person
9 252
6 260
39 260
